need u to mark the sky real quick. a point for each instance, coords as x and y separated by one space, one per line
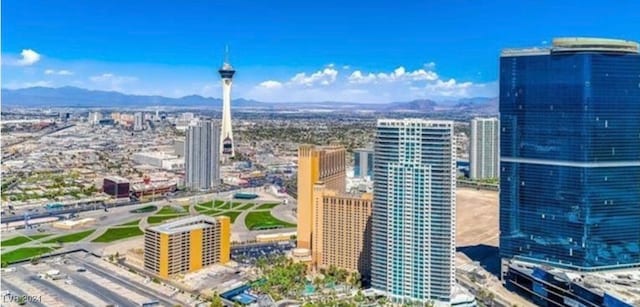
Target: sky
290 51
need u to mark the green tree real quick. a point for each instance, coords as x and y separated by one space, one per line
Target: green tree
22 300
4 264
216 301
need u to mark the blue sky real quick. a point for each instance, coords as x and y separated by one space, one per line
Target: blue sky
289 50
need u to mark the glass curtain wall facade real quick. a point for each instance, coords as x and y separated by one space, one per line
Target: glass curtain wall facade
413 222
570 157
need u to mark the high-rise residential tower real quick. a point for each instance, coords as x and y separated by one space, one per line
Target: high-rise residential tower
570 154
317 163
227 148
484 154
363 162
138 121
201 156
414 210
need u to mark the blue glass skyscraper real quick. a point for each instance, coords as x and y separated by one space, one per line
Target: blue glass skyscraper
570 154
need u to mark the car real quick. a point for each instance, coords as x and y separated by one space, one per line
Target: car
81 270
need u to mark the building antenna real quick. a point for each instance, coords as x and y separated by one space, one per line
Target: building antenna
226 54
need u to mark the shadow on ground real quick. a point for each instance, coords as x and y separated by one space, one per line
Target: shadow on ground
486 255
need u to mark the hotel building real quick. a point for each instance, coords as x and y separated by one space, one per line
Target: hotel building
317 163
570 154
341 233
187 245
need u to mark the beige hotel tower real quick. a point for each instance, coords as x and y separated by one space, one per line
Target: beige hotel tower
333 224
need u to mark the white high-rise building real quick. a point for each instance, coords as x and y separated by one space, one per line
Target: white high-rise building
94 118
227 148
484 151
414 212
138 120
202 156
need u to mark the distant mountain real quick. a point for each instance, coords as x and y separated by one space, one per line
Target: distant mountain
77 97
415 105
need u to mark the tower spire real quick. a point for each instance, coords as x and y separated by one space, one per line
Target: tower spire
226 53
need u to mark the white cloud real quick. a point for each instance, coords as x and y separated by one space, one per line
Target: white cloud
62 72
112 82
345 67
399 84
359 78
398 74
270 84
42 83
324 77
28 57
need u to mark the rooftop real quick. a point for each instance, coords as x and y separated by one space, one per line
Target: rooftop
577 44
623 284
187 224
117 179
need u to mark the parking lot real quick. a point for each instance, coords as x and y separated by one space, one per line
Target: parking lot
80 279
249 254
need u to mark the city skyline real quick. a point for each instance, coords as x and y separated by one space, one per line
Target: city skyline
339 54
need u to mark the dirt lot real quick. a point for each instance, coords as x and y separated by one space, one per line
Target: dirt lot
477 217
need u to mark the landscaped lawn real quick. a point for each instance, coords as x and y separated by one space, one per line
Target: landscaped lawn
74 237
39 236
132 223
202 209
221 204
245 207
235 205
169 210
231 214
267 206
157 219
113 234
144 209
15 241
24 253
257 220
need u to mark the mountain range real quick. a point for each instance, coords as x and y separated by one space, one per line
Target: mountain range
78 97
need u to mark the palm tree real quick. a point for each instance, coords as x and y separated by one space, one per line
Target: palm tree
317 282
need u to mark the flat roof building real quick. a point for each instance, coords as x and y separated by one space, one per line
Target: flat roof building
317 163
414 211
187 245
570 154
342 230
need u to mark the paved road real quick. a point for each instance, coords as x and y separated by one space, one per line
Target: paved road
64 295
101 292
17 292
140 289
